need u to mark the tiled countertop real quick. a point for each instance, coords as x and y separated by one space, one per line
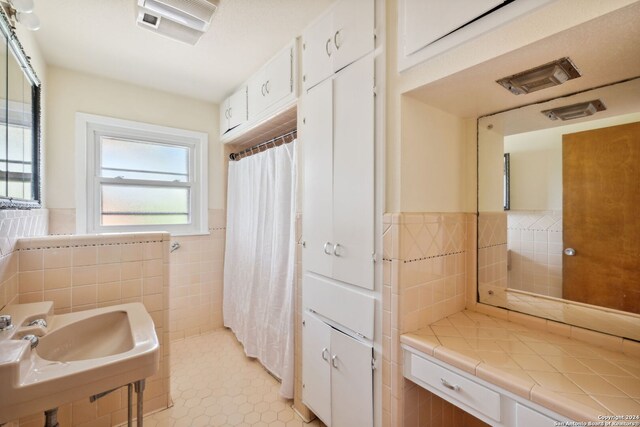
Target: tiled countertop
573 378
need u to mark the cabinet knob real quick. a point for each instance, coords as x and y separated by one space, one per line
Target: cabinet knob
327 249
326 47
335 249
334 361
230 112
324 353
266 86
336 38
570 252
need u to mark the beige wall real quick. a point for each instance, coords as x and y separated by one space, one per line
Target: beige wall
71 91
434 162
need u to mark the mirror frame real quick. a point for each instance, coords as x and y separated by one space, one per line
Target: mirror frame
14 45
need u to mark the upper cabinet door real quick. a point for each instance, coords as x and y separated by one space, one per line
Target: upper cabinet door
256 95
316 133
353 31
224 116
351 382
353 173
428 20
278 77
316 373
237 108
317 49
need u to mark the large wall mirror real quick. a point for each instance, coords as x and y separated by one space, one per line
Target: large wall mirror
568 246
19 124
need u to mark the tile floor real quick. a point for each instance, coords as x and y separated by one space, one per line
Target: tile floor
214 384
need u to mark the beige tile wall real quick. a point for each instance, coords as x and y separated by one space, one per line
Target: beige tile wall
84 272
492 252
15 224
535 251
425 280
195 294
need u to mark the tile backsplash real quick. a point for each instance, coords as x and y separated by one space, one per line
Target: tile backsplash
15 224
535 251
425 279
195 293
84 272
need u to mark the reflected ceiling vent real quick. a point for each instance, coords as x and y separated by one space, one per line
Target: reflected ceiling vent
575 111
183 20
548 75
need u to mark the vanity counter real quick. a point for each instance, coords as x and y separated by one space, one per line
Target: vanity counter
572 378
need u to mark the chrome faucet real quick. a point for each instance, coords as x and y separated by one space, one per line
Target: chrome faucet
5 322
38 322
33 339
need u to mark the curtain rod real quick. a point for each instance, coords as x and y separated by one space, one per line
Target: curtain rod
249 151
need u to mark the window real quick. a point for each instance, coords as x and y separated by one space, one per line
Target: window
139 177
16 151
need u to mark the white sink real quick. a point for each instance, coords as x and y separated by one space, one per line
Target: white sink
78 355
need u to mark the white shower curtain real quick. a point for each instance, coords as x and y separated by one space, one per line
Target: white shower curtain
260 256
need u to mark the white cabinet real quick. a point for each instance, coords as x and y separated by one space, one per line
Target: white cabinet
271 84
338 135
428 20
233 111
339 37
336 375
427 28
480 398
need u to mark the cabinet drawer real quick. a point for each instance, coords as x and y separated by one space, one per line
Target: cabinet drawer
527 417
457 387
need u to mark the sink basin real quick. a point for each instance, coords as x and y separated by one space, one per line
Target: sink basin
79 354
93 337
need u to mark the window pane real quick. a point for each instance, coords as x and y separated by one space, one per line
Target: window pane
142 205
143 160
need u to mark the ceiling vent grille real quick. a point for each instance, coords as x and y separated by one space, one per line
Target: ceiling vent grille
183 20
548 75
575 111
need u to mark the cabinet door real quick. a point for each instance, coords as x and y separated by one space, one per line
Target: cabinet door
237 108
224 117
316 373
351 382
426 21
353 173
278 77
317 48
256 95
353 31
316 135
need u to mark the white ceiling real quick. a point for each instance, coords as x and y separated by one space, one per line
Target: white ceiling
101 37
605 50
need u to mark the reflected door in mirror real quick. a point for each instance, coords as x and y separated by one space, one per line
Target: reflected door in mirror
601 197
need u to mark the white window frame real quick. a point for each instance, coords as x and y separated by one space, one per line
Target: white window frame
90 128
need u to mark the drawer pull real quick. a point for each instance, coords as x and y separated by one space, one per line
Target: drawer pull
449 386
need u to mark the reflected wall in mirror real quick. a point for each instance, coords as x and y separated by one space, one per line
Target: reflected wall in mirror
572 232
19 124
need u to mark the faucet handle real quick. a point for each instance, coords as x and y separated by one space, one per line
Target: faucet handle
33 340
38 322
5 322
